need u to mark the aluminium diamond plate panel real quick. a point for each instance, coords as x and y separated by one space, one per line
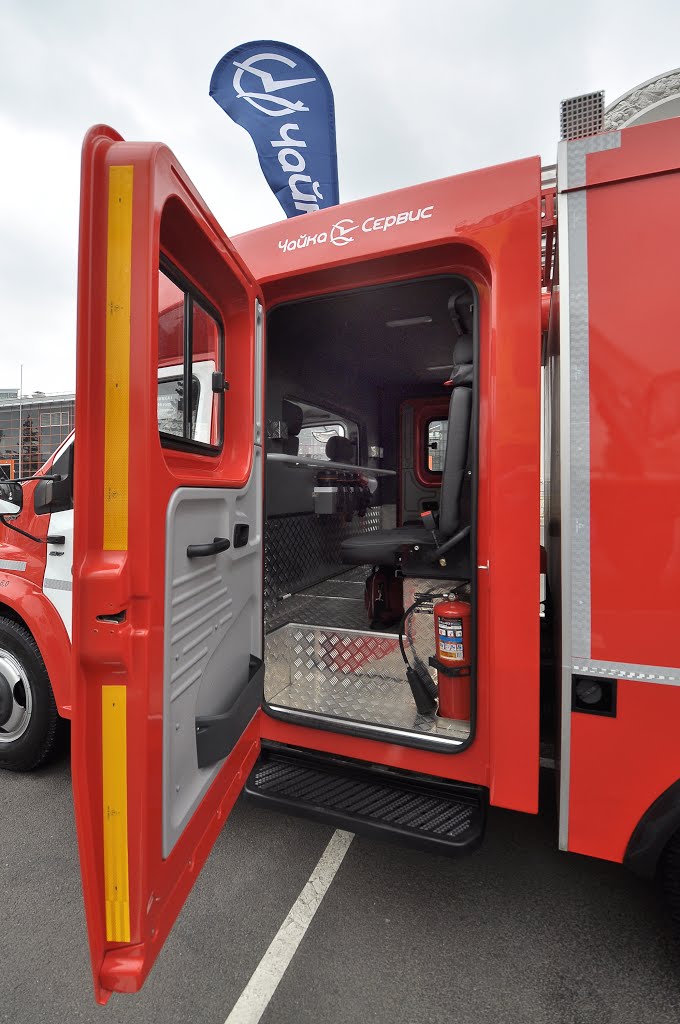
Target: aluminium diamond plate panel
347 674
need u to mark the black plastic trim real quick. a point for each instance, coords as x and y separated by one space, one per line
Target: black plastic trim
216 735
656 826
374 828
216 547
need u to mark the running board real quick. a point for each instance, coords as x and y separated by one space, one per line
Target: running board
430 814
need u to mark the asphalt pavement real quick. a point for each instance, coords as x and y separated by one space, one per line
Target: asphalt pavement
516 932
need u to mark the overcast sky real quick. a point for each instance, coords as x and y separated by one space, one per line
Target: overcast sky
423 89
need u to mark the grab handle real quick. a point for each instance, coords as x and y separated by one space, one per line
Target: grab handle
218 545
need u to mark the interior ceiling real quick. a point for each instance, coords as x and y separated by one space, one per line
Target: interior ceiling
351 327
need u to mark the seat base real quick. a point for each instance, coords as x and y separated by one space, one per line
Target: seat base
384 547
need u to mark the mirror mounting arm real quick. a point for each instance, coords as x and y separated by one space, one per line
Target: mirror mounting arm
24 533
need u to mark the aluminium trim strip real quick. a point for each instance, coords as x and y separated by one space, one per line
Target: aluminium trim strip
621 670
369 729
574 432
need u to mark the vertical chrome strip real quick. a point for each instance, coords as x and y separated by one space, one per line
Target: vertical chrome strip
578 452
574 432
565 511
259 369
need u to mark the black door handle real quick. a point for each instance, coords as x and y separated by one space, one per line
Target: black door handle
204 550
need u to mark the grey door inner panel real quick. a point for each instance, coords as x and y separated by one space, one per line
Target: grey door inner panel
213 624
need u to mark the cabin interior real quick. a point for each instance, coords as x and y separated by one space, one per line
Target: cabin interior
371 407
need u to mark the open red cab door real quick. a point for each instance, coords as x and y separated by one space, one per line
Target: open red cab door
167 579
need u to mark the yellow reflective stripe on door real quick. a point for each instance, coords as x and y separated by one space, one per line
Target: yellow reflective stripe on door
117 393
114 786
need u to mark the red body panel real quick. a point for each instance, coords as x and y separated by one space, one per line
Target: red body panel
14 547
620 765
22 593
635 423
40 616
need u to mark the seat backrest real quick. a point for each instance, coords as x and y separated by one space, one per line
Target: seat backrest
457 441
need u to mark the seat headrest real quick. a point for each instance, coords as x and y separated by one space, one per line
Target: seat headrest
339 449
292 416
462 350
462 369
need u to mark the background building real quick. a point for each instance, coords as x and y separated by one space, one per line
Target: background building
31 428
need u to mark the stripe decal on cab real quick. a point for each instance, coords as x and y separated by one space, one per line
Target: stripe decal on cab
114 786
117 393
115 538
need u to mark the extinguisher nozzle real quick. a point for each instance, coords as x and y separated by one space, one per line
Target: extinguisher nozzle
425 678
424 700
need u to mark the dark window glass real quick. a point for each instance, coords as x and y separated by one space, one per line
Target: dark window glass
190 351
436 445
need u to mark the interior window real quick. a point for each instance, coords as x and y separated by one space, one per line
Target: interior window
313 439
190 364
435 440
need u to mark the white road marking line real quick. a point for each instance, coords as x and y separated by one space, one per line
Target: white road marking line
263 983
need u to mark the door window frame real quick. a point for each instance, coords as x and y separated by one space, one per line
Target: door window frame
192 296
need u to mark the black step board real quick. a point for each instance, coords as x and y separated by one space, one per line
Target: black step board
443 817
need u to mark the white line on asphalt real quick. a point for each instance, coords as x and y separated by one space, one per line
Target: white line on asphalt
255 997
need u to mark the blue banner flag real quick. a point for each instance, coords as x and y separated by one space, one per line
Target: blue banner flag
284 100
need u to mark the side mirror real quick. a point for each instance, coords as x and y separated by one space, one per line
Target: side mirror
11 498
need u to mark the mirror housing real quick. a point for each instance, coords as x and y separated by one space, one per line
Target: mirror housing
42 497
11 498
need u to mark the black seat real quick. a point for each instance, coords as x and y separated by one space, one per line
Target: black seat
390 547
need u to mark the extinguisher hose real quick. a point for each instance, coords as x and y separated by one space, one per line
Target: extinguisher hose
404 620
423 687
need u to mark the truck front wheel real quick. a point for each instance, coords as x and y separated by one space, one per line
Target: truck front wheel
29 721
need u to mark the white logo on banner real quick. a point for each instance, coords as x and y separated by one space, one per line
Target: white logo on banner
276 106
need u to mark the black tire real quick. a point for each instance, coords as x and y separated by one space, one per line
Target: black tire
42 733
669 875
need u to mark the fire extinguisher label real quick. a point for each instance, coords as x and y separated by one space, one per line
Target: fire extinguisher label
451 639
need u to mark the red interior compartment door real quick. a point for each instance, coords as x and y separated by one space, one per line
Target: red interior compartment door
167 580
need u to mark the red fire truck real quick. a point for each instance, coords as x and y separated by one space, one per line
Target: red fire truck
310 567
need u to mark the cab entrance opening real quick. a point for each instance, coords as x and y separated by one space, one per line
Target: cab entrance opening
371 409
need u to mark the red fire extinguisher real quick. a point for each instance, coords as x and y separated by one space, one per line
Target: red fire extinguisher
453 652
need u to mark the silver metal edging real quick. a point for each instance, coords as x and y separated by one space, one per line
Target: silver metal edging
574 433
666 676
565 519
367 728
259 369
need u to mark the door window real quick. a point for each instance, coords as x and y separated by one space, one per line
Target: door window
190 361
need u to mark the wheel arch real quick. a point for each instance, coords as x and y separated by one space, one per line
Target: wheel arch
24 604
653 831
